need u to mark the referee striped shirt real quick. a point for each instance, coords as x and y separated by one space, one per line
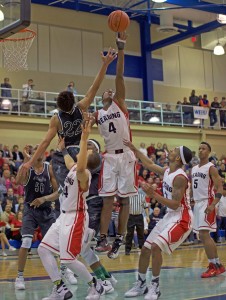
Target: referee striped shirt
137 204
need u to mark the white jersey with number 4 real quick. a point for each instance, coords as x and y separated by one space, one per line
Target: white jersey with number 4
113 127
202 183
73 197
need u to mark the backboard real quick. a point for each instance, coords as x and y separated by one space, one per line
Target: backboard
14 16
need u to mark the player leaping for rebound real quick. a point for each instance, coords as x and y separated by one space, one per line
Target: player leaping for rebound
117 175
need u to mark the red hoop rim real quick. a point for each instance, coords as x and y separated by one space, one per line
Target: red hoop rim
33 34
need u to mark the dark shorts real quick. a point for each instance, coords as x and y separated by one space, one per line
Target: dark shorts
34 217
59 169
94 210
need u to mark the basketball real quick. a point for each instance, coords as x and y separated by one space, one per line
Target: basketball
118 21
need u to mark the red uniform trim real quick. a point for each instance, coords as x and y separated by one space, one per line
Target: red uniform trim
49 246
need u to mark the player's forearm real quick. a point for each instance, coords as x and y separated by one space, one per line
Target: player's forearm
21 177
82 156
95 86
120 65
170 203
52 197
40 151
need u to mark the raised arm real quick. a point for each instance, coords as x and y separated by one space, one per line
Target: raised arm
89 97
82 172
218 187
148 163
179 189
22 174
51 133
120 94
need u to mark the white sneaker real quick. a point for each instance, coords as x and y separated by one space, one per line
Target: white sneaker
19 283
113 280
11 248
140 288
94 292
153 291
4 254
61 293
107 286
69 276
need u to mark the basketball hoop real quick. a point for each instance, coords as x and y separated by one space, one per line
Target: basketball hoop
15 50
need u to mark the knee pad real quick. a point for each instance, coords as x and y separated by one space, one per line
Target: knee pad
26 242
90 257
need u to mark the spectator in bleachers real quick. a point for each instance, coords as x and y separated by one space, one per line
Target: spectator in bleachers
223 113
213 158
6 177
7 216
11 196
187 111
1 162
204 102
113 226
17 156
165 148
195 160
143 176
222 171
193 99
20 207
155 217
153 157
178 106
71 88
159 151
18 189
16 225
5 92
5 242
151 149
143 149
10 202
213 111
6 152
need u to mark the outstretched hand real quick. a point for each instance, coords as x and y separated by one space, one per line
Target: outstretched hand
37 202
130 145
148 189
121 40
109 57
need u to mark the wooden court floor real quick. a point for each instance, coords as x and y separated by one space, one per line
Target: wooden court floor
180 277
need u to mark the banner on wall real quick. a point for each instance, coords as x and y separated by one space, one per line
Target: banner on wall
201 112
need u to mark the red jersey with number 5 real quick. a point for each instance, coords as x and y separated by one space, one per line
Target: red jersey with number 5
114 127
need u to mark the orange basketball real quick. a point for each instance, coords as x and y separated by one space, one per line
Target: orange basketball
118 21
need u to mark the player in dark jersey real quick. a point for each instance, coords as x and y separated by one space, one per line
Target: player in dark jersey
67 123
38 182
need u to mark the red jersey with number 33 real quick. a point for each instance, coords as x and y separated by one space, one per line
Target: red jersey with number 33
114 127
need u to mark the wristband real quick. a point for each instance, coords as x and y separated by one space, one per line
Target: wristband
64 152
218 195
120 44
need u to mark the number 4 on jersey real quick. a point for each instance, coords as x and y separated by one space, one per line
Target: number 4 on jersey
112 127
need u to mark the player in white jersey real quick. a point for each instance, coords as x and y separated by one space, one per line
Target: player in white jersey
70 235
205 179
176 225
118 173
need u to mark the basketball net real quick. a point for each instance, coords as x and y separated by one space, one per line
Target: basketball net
15 50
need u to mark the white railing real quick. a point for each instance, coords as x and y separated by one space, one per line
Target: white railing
39 103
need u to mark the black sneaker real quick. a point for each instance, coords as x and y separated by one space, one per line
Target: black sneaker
102 245
114 252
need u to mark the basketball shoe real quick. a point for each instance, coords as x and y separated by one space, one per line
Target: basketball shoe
139 288
95 291
19 283
114 252
210 272
112 280
69 276
59 292
153 291
220 269
102 245
107 286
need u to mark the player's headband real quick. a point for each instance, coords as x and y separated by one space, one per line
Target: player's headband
182 154
95 144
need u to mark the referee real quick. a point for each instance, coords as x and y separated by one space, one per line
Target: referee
137 206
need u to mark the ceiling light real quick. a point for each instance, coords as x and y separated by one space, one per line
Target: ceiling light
218 49
159 1
1 16
221 19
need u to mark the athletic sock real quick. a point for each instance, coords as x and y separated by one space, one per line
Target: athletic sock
217 260
58 283
99 273
142 276
63 269
105 272
20 274
212 260
119 237
155 279
93 281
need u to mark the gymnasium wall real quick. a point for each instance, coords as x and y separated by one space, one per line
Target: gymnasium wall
67 48
24 130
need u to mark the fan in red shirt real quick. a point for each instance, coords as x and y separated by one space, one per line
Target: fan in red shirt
16 225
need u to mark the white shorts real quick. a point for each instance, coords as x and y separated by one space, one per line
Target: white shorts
118 175
203 221
67 235
171 231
